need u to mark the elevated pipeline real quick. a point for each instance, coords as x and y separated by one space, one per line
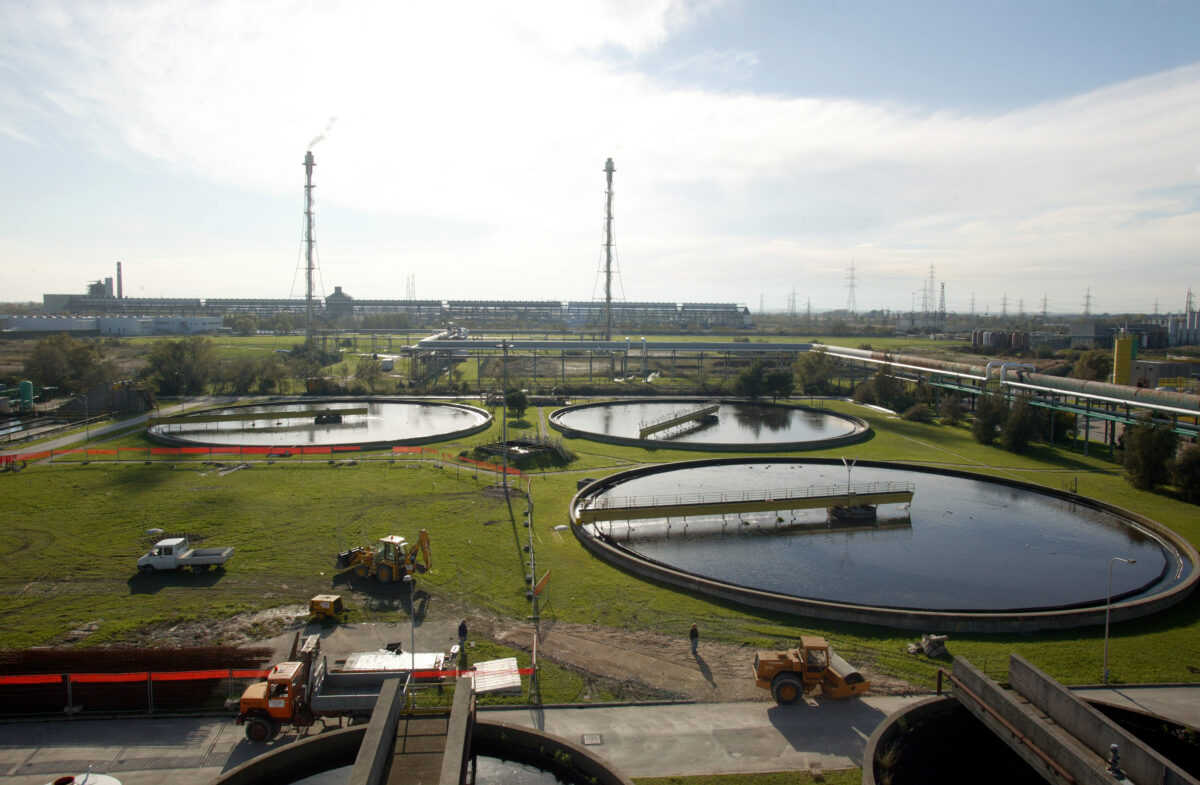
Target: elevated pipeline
1163 400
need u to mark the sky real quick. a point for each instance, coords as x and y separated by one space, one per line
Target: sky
1032 153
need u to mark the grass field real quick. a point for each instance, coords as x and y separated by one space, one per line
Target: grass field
73 533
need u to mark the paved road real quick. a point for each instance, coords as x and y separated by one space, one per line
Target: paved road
717 738
642 741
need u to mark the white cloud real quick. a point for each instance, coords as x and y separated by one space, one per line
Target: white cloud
499 118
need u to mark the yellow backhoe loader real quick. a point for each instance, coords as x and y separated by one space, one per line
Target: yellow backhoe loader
389 560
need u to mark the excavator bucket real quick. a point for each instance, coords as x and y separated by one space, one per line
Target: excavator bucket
346 558
426 552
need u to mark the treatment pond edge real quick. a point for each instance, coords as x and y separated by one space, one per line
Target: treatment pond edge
906 619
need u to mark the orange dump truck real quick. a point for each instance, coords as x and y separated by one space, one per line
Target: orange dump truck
303 690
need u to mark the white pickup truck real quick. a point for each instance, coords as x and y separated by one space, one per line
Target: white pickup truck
176 552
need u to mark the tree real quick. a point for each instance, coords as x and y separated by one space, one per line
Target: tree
814 371
517 402
779 382
239 374
370 372
1094 365
271 372
186 366
991 410
751 382
1148 449
1185 471
884 390
918 412
243 324
950 410
283 322
1020 426
74 366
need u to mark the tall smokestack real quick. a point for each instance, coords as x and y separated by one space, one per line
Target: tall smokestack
120 292
308 246
608 245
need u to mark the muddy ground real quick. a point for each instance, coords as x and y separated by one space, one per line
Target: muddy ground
631 664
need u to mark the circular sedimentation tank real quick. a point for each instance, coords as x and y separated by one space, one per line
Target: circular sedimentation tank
733 426
366 422
967 552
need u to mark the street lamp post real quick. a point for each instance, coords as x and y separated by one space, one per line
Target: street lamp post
87 428
412 628
1108 609
504 422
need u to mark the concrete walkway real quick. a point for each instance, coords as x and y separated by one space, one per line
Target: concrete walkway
716 738
642 741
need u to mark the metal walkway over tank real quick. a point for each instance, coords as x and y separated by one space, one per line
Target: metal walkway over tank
677 418
604 508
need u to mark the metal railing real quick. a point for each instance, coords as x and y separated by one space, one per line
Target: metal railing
716 498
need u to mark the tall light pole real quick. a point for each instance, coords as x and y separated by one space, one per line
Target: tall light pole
504 421
412 628
87 429
1108 609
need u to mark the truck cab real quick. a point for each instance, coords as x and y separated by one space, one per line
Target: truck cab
164 555
281 699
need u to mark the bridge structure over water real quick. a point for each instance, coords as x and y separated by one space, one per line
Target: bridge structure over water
605 508
681 417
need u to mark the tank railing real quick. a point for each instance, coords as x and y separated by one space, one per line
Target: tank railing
729 497
677 414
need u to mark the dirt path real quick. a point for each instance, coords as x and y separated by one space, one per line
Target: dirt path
635 664
661 664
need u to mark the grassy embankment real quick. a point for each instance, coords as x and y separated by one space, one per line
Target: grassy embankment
67 554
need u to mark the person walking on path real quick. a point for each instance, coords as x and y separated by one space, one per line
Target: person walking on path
694 634
462 632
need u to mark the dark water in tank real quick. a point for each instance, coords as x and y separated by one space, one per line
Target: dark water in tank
962 544
737 423
384 421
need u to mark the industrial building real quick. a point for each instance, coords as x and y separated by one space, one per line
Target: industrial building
100 326
341 309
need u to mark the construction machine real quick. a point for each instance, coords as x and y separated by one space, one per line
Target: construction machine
305 690
792 673
389 560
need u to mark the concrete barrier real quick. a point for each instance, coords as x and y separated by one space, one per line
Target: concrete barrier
375 753
459 733
862 429
1085 723
1023 730
299 759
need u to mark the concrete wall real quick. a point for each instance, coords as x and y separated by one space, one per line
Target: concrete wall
542 747
299 759
1140 762
861 429
892 729
1087 769
375 752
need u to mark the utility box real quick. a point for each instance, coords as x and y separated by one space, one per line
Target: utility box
326 606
